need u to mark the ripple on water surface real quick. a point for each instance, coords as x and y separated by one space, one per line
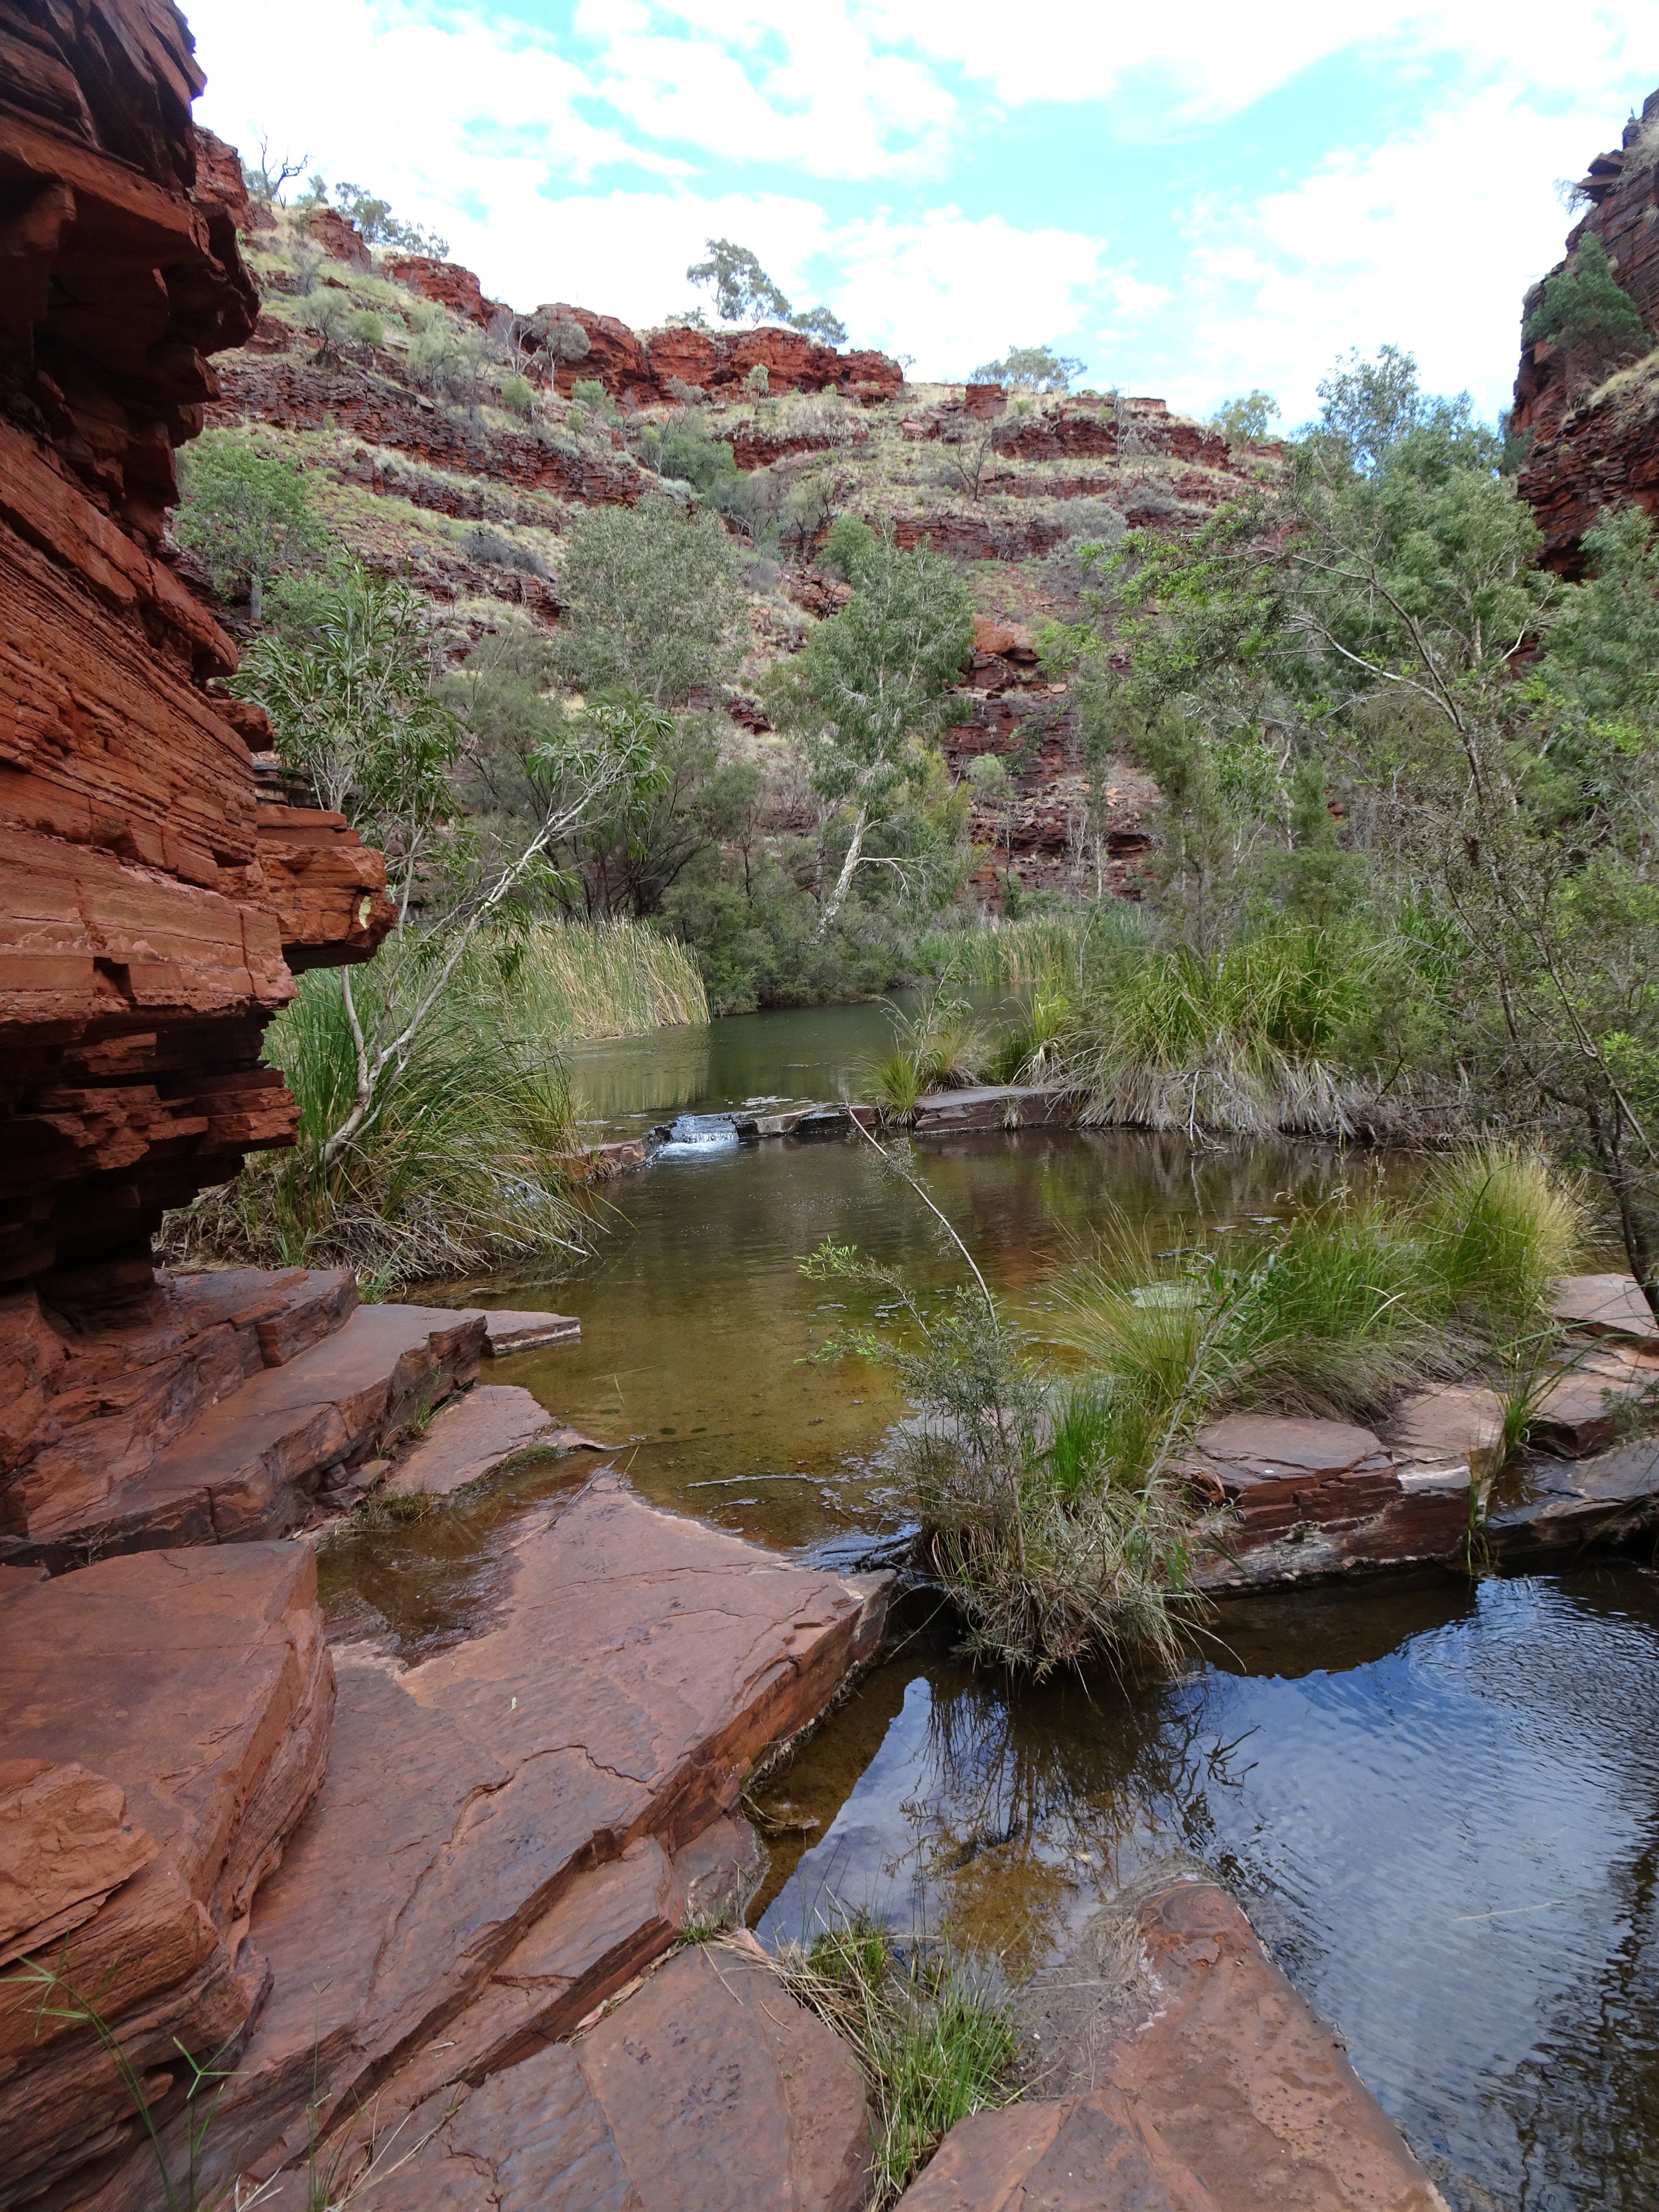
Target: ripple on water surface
1440 1806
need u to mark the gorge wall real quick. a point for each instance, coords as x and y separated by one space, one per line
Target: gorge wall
152 910
1595 435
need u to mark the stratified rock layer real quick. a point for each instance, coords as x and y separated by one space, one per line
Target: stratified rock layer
634 1667
144 918
167 1719
1595 440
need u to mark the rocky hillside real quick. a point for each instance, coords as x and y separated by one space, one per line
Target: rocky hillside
444 436
1594 428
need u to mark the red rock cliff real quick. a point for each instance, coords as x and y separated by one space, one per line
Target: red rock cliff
148 904
1595 442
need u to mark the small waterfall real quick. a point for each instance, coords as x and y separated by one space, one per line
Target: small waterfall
692 1136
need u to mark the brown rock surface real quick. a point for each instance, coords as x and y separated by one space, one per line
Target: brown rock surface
140 953
636 1667
446 281
507 1330
468 1440
196 1685
1604 1305
1594 447
247 1463
709 2089
1198 2078
65 1845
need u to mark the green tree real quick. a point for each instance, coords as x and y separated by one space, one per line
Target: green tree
744 292
653 603
1248 420
379 227
1581 303
1029 368
1368 406
868 688
247 512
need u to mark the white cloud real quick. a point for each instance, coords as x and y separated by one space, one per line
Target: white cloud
1429 242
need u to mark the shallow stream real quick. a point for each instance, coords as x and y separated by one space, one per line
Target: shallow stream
1439 1802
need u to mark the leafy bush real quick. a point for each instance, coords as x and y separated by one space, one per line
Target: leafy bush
1246 421
588 392
519 396
845 544
445 360
652 602
1584 302
247 511
759 380
364 327
483 543
1029 368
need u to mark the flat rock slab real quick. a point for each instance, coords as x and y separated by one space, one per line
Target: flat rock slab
707 2089
197 1688
1450 1426
1580 1413
1259 1447
469 1439
1219 2090
506 1332
251 1464
1604 1305
637 1666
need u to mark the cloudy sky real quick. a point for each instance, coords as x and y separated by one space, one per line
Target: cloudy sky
1194 199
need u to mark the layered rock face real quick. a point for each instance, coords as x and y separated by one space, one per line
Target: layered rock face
647 367
151 911
1595 438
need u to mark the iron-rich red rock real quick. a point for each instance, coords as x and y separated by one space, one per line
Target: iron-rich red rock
446 281
141 954
710 2089
634 1667
469 1439
1208 2087
1604 1305
198 1686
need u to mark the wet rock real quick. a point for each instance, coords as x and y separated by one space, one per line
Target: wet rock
166 1719
636 1667
468 1440
1217 2088
248 1464
506 1331
709 2089
1094 2153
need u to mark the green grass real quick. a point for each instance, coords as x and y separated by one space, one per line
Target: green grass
460 1169
936 2039
941 1046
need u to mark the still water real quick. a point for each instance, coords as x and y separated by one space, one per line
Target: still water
1439 1802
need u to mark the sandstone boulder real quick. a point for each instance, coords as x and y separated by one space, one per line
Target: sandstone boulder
166 1723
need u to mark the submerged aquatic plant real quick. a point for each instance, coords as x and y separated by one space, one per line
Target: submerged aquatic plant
934 2034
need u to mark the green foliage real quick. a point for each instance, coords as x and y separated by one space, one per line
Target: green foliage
379 227
1248 420
742 290
364 327
1502 1226
445 359
845 544
1368 406
759 380
936 2039
1029 368
589 391
822 324
1583 303
652 602
941 1046
345 675
518 396
687 452
247 510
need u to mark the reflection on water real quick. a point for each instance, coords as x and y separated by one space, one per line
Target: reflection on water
1440 1806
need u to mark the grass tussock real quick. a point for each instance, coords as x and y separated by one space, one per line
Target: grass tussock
941 1046
458 1170
935 2038
1056 1509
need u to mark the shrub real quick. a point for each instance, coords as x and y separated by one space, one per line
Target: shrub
1503 1224
588 392
1584 302
759 380
845 545
652 602
364 327
246 510
519 396
483 543
444 360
